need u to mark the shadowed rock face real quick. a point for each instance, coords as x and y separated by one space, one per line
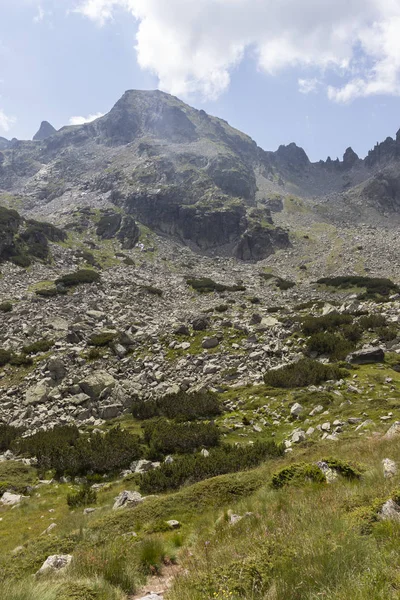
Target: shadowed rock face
45 131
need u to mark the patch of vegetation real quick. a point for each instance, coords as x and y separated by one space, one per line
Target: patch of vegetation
374 286
102 339
8 434
206 285
79 277
180 406
85 496
68 452
192 468
43 345
303 373
297 474
343 468
330 322
373 321
154 291
6 307
47 292
16 477
333 345
167 437
5 357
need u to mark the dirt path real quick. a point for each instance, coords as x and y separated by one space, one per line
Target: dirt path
159 584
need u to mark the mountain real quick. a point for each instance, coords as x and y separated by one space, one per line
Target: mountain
46 130
194 178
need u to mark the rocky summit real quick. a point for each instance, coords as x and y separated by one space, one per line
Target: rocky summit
199 363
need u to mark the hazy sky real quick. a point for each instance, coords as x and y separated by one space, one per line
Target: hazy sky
322 73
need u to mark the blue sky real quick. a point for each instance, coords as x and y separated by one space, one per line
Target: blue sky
320 78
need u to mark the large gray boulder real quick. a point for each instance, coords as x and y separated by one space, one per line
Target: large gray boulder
9 499
366 356
127 499
210 342
55 563
393 431
97 383
390 511
36 394
57 369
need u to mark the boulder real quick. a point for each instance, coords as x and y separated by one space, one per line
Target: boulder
55 563
366 356
37 394
296 410
98 382
111 412
173 524
389 468
390 511
393 431
127 499
200 323
210 342
57 369
9 499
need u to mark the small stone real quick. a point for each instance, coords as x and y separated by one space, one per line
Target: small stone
389 468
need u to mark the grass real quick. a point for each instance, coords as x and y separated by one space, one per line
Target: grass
304 541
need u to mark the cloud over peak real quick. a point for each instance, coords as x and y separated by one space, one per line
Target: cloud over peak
193 45
83 120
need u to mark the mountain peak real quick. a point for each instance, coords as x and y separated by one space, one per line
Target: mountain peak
46 130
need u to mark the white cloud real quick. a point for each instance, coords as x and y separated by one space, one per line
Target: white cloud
6 122
193 45
40 15
307 86
82 120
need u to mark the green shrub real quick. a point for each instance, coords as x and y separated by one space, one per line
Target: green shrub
297 474
180 405
154 291
192 468
372 321
47 292
68 452
284 284
374 286
302 374
6 307
330 322
21 360
343 468
5 357
205 285
8 434
168 437
42 345
387 334
16 476
221 308
79 277
83 497
102 339
94 354
331 344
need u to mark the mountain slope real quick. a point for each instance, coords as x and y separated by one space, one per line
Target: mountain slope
193 177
